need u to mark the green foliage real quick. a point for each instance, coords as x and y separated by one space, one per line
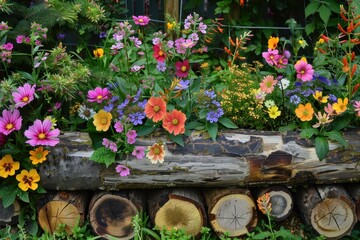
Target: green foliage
104 156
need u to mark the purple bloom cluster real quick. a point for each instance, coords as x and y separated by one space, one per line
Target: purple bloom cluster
109 144
213 116
133 109
122 32
209 102
5 52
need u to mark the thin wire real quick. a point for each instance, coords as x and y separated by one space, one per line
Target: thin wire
180 14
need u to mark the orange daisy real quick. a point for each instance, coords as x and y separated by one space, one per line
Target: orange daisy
156 153
305 113
272 42
267 84
155 109
38 155
174 122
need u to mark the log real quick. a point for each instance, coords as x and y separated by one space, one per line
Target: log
354 191
10 214
111 214
64 207
231 210
177 208
238 158
328 209
281 201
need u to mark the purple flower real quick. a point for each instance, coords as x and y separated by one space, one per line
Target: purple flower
210 94
60 36
136 41
41 133
118 127
131 134
24 95
106 142
213 116
295 99
332 98
287 54
161 66
137 117
131 140
8 46
122 170
103 35
10 121
202 27
20 39
182 85
139 152
141 20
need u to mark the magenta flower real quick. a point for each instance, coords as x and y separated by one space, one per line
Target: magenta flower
131 134
98 95
8 46
122 170
24 95
182 68
41 133
118 127
304 71
131 140
141 20
271 57
139 152
10 121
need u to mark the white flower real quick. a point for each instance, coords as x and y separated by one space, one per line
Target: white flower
85 112
269 103
284 83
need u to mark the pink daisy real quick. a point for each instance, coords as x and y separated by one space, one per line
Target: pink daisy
98 95
139 152
141 20
267 84
24 95
41 133
10 121
304 71
271 57
122 170
182 68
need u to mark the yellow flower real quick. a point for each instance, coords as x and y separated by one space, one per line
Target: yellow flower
204 65
38 155
272 42
170 26
305 113
301 59
340 106
8 166
99 52
102 120
319 97
28 179
274 112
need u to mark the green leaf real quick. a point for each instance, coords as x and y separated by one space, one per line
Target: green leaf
104 156
338 137
193 124
262 235
321 147
8 194
178 139
324 13
310 28
24 196
146 130
227 123
309 132
340 123
311 8
212 129
289 127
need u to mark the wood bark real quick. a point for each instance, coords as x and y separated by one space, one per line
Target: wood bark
281 201
111 214
177 208
231 210
9 215
354 191
328 209
64 207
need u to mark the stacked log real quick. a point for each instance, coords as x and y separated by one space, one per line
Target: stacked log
9 215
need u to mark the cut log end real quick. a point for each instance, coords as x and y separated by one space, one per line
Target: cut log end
282 204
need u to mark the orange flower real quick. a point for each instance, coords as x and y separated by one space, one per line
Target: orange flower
264 203
155 109
156 153
272 42
99 52
267 84
340 106
38 155
102 120
305 113
174 122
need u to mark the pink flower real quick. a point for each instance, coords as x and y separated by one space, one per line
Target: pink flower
122 170
118 127
139 152
24 95
131 140
182 68
20 39
98 95
8 46
10 121
271 57
131 134
141 20
304 71
267 84
41 133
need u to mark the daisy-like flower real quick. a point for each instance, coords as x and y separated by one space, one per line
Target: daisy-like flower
102 120
28 179
159 54
122 170
322 118
304 71
141 20
98 95
98 53
10 121
41 133
341 105
174 122
269 103
8 166
272 42
319 97
305 112
155 109
271 57
267 84
138 152
329 110
264 203
274 112
182 68
24 95
156 153
86 112
38 155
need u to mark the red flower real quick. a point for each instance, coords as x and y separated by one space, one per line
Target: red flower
174 122
182 68
155 109
159 54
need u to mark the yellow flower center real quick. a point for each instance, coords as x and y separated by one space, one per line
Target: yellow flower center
39 155
9 126
156 151
25 99
141 20
42 135
156 108
161 53
302 71
305 113
175 122
183 68
99 97
103 121
268 84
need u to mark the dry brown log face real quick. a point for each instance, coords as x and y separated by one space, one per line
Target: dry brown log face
328 209
231 210
62 208
177 208
354 191
10 214
110 214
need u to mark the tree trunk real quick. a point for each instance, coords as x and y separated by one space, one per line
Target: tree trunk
328 209
111 213
63 207
281 201
354 191
9 215
231 210
177 208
